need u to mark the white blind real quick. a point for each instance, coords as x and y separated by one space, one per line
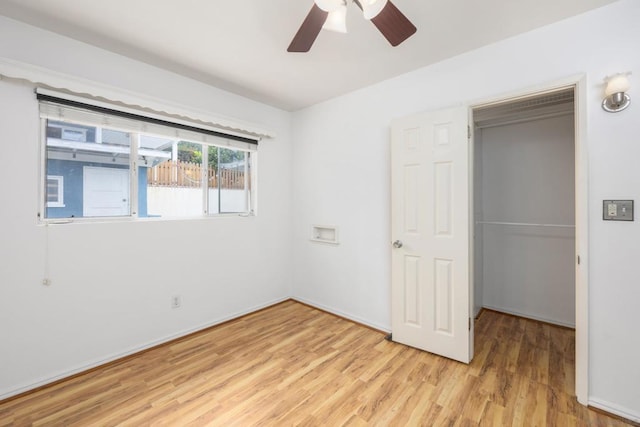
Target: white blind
88 112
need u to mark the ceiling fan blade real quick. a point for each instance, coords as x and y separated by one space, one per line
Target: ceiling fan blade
393 24
309 30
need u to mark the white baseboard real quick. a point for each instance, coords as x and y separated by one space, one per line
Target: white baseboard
134 350
530 316
476 312
341 313
614 409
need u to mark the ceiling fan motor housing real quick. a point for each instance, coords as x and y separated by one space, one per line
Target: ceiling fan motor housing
370 8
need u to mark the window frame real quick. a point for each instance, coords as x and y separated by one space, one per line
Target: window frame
59 203
250 188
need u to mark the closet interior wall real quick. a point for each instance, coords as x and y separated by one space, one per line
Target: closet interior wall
524 209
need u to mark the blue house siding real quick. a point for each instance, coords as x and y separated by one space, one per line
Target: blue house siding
72 173
142 192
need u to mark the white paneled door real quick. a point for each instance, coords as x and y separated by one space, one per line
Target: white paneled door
430 196
105 191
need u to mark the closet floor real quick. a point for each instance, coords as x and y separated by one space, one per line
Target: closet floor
294 365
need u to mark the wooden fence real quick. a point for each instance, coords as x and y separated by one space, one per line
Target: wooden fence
185 174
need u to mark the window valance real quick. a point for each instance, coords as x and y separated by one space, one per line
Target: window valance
66 86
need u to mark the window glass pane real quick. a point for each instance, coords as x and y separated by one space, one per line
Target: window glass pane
55 191
53 187
87 166
228 180
93 163
170 183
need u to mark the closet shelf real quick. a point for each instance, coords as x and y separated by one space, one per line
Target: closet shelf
525 224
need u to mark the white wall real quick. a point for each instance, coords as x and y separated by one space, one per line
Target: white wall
176 202
527 176
112 283
341 148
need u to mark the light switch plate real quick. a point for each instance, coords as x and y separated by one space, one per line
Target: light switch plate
617 210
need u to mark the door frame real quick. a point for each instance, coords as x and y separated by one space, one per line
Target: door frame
578 82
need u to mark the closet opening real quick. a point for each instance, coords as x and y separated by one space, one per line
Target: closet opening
524 224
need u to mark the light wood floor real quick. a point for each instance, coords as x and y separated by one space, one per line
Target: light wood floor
294 365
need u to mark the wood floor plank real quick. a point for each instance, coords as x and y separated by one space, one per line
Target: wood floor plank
493 415
294 365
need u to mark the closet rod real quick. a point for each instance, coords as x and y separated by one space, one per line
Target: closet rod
527 224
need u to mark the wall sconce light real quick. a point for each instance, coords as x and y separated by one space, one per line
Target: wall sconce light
615 97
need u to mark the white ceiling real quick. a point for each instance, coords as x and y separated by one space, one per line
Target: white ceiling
240 45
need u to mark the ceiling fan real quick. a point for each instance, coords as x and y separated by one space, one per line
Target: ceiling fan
331 15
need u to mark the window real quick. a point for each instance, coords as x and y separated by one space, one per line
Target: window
124 165
55 191
228 188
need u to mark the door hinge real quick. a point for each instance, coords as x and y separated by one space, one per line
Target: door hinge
469 323
578 259
468 132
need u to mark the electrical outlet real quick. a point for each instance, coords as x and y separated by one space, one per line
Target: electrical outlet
176 301
617 210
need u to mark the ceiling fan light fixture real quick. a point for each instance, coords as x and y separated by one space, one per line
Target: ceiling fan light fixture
329 5
371 8
337 20
386 17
